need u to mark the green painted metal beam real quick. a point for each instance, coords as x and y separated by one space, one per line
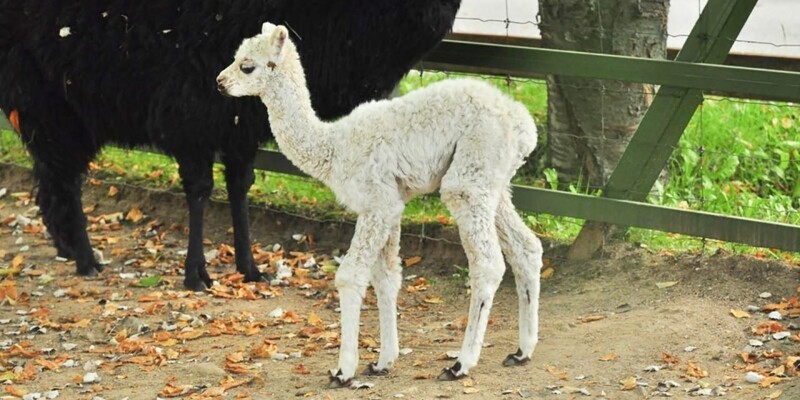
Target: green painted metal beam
623 212
533 62
688 222
665 121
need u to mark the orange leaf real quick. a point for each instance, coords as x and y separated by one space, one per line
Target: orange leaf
669 358
16 263
592 318
134 215
694 370
13 117
113 191
230 383
740 313
628 383
610 357
235 357
14 391
769 381
301 369
410 262
314 320
190 335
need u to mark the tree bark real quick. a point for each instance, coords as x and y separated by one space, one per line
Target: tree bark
591 121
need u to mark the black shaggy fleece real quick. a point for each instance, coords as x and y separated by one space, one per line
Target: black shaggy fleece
83 74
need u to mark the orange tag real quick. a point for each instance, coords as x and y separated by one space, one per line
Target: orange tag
13 117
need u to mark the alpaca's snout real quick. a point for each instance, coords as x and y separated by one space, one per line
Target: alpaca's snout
221 87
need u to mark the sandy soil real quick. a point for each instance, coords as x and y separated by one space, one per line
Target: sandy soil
603 322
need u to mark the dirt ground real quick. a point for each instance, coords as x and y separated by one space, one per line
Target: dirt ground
603 322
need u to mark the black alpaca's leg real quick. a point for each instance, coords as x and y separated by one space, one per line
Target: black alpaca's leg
238 178
59 198
197 176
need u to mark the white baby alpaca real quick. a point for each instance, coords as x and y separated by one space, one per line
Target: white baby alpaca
463 137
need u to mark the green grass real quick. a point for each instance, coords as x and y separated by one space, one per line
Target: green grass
736 157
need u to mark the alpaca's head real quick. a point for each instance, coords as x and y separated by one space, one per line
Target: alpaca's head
257 61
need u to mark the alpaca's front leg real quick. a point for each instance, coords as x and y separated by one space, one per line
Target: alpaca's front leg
352 279
387 276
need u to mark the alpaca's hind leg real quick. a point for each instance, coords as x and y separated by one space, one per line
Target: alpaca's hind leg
238 179
387 276
474 211
352 279
62 148
59 197
198 182
523 251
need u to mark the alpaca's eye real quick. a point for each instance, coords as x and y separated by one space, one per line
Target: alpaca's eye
247 69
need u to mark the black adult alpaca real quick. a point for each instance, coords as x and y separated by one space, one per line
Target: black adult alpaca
82 74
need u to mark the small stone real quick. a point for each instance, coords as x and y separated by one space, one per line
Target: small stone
52 394
781 335
765 295
452 354
69 346
753 377
653 368
689 349
405 351
755 343
64 32
276 313
753 308
279 356
775 315
91 377
32 396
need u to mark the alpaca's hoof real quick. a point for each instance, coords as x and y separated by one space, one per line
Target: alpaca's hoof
257 277
196 285
92 270
373 370
335 381
515 359
453 373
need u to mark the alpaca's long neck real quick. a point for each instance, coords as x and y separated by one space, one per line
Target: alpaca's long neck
300 134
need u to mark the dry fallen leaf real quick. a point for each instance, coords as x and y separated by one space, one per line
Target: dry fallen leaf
774 395
628 383
134 215
694 370
548 273
592 318
664 285
610 357
769 381
561 374
669 358
113 191
410 262
739 313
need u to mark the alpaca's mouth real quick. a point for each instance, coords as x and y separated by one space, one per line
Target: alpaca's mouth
223 90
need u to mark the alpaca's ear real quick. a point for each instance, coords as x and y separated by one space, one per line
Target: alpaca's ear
267 27
278 38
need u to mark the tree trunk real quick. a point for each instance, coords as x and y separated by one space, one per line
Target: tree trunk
591 121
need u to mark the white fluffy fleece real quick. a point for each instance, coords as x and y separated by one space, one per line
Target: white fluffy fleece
463 137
